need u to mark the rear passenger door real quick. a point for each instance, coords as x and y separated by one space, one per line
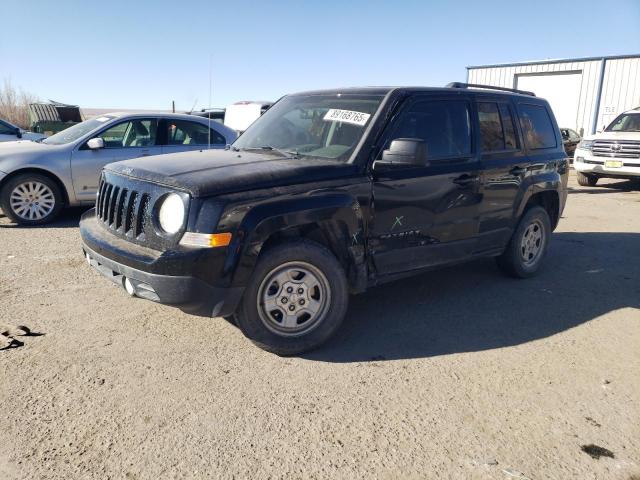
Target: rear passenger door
427 215
184 135
504 165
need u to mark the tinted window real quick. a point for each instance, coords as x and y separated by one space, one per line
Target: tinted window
573 135
136 133
183 132
497 131
490 127
443 125
510 137
537 128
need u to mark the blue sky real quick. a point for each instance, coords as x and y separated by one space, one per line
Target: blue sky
143 54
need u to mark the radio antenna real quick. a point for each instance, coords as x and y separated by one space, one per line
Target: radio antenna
193 106
210 89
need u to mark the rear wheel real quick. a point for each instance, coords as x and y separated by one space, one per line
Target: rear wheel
524 254
31 199
587 180
295 300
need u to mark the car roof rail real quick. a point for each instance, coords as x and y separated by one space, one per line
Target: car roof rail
489 87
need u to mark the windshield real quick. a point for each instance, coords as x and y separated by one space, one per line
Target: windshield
72 134
627 122
321 126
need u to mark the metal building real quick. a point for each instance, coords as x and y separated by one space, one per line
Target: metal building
585 93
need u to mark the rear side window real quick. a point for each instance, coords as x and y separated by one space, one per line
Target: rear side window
497 131
537 128
183 132
444 126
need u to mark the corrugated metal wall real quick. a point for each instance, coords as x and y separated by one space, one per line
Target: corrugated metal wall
620 84
620 88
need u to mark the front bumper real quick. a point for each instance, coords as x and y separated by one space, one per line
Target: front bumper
585 162
162 279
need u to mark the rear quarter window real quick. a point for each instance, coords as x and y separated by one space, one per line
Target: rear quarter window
537 128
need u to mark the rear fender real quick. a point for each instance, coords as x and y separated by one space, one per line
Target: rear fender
541 180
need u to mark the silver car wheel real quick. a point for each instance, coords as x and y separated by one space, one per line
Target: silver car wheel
532 243
293 299
32 200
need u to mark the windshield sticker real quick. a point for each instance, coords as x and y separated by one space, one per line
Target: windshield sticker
102 119
346 116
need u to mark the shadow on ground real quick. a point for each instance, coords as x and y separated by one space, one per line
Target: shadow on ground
474 307
68 218
612 186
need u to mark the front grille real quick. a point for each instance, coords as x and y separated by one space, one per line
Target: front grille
123 210
125 207
616 148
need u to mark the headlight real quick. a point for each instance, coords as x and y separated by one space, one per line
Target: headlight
171 213
585 144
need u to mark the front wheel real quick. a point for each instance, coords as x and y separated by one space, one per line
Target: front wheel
524 254
586 180
31 199
295 300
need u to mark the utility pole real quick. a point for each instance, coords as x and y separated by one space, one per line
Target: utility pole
173 106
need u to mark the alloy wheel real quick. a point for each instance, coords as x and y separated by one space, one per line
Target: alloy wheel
32 200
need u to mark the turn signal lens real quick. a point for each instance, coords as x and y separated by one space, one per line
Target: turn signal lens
190 239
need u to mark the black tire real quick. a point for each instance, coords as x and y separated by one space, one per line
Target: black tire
587 180
261 327
22 218
512 261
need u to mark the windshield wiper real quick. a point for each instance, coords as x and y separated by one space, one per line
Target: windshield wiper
284 153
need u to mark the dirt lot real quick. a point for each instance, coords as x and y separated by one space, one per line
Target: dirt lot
461 373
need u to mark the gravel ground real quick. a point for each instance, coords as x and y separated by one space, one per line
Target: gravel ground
460 373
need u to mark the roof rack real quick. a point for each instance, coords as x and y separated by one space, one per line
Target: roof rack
489 87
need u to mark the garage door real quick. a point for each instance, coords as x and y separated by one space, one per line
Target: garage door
562 91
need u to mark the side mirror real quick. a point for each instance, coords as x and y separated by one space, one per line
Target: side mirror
95 143
406 151
18 132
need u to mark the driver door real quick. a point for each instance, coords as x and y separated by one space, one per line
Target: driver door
124 140
426 215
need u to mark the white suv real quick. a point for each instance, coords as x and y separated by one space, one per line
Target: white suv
613 153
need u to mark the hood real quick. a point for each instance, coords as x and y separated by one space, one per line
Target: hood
214 172
23 151
614 136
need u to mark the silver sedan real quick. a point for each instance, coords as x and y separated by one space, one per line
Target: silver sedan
38 179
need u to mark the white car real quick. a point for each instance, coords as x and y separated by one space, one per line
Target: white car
613 153
242 114
11 133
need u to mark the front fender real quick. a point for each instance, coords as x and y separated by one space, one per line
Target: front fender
338 214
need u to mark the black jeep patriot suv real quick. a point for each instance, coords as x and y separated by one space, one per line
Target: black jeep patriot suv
330 192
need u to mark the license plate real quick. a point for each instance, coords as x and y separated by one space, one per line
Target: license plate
613 164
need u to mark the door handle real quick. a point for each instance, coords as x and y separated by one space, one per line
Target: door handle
517 171
465 180
144 153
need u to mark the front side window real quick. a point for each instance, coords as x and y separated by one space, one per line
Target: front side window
444 126
537 128
627 122
134 133
183 132
325 126
497 131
